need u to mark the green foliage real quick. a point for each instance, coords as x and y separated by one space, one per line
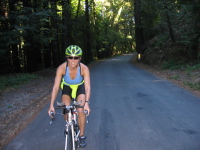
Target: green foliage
175 77
13 80
186 30
41 30
172 65
34 27
161 41
180 66
195 86
190 68
176 28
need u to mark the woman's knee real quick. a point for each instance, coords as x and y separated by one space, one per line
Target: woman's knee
81 98
66 99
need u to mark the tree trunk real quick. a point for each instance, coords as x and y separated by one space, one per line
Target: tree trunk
32 51
139 37
66 38
171 33
15 58
79 2
87 49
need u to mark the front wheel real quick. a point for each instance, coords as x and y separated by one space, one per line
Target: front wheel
68 139
77 132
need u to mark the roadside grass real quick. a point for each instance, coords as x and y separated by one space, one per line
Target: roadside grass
195 86
188 69
174 66
175 77
14 80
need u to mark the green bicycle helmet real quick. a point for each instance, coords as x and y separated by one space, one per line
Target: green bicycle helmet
73 50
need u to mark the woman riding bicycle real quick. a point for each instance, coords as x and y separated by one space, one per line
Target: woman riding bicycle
72 72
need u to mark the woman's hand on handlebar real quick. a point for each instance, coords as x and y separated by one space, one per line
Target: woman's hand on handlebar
51 111
87 108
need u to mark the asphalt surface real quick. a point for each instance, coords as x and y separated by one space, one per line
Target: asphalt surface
131 110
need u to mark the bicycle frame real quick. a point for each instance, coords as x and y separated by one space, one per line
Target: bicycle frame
72 120
71 124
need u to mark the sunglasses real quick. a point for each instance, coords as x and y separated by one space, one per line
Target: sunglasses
75 58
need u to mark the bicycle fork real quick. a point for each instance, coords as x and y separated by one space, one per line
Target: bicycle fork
69 124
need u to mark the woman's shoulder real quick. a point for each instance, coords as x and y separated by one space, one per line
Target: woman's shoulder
62 68
83 66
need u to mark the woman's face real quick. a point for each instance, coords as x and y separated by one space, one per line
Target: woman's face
73 60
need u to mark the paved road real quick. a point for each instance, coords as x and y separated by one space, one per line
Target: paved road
131 110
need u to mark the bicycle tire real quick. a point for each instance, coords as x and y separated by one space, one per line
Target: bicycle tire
68 140
76 130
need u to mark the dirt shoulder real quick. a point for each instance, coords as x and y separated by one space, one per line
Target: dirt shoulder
20 106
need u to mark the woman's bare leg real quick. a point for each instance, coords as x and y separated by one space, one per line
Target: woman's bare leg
67 101
81 114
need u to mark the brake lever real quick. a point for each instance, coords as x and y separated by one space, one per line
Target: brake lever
77 103
52 116
86 113
60 104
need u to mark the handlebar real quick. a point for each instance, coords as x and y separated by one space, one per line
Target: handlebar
62 105
54 113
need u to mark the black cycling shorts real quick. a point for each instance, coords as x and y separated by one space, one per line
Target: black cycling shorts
67 90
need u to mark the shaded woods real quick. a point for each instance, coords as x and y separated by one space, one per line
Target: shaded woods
35 33
168 31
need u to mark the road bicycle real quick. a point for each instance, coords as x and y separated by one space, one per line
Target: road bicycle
72 130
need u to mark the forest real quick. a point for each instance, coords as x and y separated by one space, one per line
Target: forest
35 33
